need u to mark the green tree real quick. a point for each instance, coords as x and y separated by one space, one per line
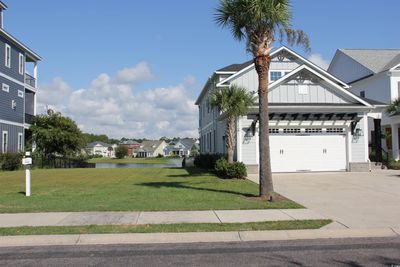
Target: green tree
55 134
260 23
121 152
394 107
232 102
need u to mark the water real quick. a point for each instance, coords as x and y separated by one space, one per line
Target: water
173 163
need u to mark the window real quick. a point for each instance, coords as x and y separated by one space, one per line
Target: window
303 89
8 56
21 64
362 93
273 131
4 142
20 143
335 130
5 87
313 130
20 93
275 75
291 130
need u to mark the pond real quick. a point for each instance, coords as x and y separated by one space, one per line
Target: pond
173 163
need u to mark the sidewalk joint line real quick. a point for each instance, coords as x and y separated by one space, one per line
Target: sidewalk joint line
391 228
137 219
240 236
342 224
77 240
217 216
288 215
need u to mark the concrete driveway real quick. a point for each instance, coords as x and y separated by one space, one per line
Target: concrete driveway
353 200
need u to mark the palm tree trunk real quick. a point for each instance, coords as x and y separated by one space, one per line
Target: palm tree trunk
230 140
262 64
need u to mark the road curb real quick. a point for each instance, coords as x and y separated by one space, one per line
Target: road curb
200 237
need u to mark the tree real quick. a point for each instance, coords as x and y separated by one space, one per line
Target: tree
394 107
56 135
232 102
121 152
260 22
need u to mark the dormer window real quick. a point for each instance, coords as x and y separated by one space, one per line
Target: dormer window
277 74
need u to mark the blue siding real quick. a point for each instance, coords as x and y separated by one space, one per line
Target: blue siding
6 112
14 70
12 136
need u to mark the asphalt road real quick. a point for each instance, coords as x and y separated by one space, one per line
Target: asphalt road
333 252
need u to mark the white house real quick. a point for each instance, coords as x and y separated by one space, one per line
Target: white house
374 74
316 124
101 149
181 147
151 149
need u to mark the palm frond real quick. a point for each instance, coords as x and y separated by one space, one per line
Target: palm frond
394 107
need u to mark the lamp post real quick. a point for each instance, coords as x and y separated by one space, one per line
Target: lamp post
27 162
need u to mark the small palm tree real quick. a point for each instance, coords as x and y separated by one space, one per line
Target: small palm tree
260 23
232 102
394 107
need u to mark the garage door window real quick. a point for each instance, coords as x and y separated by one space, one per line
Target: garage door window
291 130
335 130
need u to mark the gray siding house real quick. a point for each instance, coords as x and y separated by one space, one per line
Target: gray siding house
18 89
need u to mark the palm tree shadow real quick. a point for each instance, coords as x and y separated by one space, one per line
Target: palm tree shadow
181 185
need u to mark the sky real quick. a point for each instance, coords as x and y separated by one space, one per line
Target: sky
130 68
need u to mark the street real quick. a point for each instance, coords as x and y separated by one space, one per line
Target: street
326 252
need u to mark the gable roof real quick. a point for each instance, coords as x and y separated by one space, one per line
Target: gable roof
235 67
321 76
150 145
376 60
93 144
250 64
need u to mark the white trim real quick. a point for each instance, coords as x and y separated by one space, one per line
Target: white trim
304 67
4 144
225 72
33 54
20 147
366 132
395 67
296 55
5 87
208 125
20 93
7 63
12 123
21 63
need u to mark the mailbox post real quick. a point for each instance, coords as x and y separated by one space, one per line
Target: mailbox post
27 162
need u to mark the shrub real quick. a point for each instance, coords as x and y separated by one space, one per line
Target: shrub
228 170
121 152
160 156
394 165
10 161
207 161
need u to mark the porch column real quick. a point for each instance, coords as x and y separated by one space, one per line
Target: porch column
378 140
395 141
35 73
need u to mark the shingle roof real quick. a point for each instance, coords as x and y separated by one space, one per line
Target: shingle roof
150 145
93 144
236 67
376 60
373 102
129 142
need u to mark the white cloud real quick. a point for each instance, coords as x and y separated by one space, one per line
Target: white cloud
110 105
319 60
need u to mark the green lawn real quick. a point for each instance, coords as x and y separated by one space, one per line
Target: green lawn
132 160
128 190
164 228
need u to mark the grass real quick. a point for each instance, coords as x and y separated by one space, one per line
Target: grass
128 160
128 190
164 228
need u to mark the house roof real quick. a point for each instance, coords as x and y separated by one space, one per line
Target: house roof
373 102
150 145
2 5
376 60
235 67
129 142
93 144
30 54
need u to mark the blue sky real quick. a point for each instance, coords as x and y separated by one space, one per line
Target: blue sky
165 45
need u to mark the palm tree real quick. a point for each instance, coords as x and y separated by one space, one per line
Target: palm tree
260 23
232 102
394 107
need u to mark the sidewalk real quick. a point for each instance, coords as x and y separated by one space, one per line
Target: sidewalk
162 217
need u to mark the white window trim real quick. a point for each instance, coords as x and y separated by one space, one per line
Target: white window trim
281 71
7 63
20 142
4 143
21 65
5 87
21 93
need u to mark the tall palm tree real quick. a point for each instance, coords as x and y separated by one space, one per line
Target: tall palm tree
232 102
260 23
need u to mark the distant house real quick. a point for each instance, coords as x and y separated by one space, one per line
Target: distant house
151 149
182 147
132 147
101 149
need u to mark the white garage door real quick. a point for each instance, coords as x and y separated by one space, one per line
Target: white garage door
291 153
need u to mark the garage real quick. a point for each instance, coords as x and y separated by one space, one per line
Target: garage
295 150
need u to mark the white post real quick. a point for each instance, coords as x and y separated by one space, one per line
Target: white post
35 73
28 182
395 141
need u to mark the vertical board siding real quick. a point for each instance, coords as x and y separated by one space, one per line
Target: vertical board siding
249 142
358 145
12 136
